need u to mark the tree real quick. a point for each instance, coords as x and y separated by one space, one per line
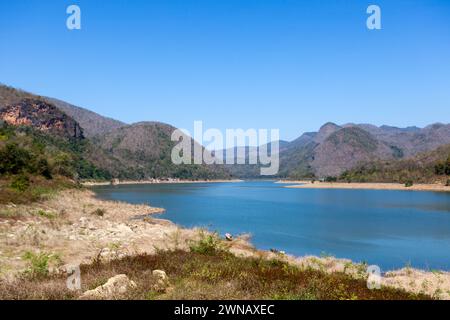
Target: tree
447 166
14 159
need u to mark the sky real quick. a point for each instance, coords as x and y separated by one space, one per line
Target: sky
263 64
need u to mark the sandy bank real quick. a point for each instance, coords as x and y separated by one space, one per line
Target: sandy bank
154 181
369 186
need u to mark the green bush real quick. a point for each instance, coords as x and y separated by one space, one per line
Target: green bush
20 183
14 159
409 183
43 168
448 183
330 179
443 168
46 214
207 244
38 263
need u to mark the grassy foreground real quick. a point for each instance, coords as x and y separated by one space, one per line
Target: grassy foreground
204 274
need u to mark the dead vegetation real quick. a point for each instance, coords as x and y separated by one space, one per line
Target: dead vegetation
211 275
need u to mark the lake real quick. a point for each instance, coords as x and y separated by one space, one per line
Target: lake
388 228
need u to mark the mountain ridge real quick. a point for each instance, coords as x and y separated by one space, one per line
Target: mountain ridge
142 150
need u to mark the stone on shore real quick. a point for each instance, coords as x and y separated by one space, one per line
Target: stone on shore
162 282
114 288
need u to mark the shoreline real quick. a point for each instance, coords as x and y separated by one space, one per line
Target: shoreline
364 186
72 228
154 181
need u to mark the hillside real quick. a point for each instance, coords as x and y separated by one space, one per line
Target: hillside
34 163
345 148
426 167
411 140
142 150
92 123
138 151
43 117
145 148
335 149
10 95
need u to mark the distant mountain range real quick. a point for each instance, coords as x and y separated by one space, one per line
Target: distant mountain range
335 149
142 150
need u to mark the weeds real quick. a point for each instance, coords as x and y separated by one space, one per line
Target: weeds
46 214
326 255
20 183
208 244
193 275
10 213
38 263
98 212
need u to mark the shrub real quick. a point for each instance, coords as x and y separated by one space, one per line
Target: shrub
20 183
207 244
447 166
99 212
448 183
45 214
439 169
38 263
43 168
409 183
330 179
14 159
442 168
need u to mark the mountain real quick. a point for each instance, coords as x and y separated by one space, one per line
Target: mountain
138 151
10 95
425 167
41 116
325 131
335 149
345 148
301 141
92 123
242 156
145 149
39 129
411 140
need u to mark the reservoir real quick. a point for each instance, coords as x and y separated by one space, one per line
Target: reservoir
391 229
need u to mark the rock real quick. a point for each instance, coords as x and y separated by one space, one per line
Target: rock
83 222
160 274
162 283
229 237
105 253
114 288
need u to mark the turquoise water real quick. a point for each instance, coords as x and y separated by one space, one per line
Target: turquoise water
388 228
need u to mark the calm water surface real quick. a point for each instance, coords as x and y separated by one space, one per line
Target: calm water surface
388 228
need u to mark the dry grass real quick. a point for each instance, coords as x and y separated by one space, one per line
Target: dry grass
39 189
206 276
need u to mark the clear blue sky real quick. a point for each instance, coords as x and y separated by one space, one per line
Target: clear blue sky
281 64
